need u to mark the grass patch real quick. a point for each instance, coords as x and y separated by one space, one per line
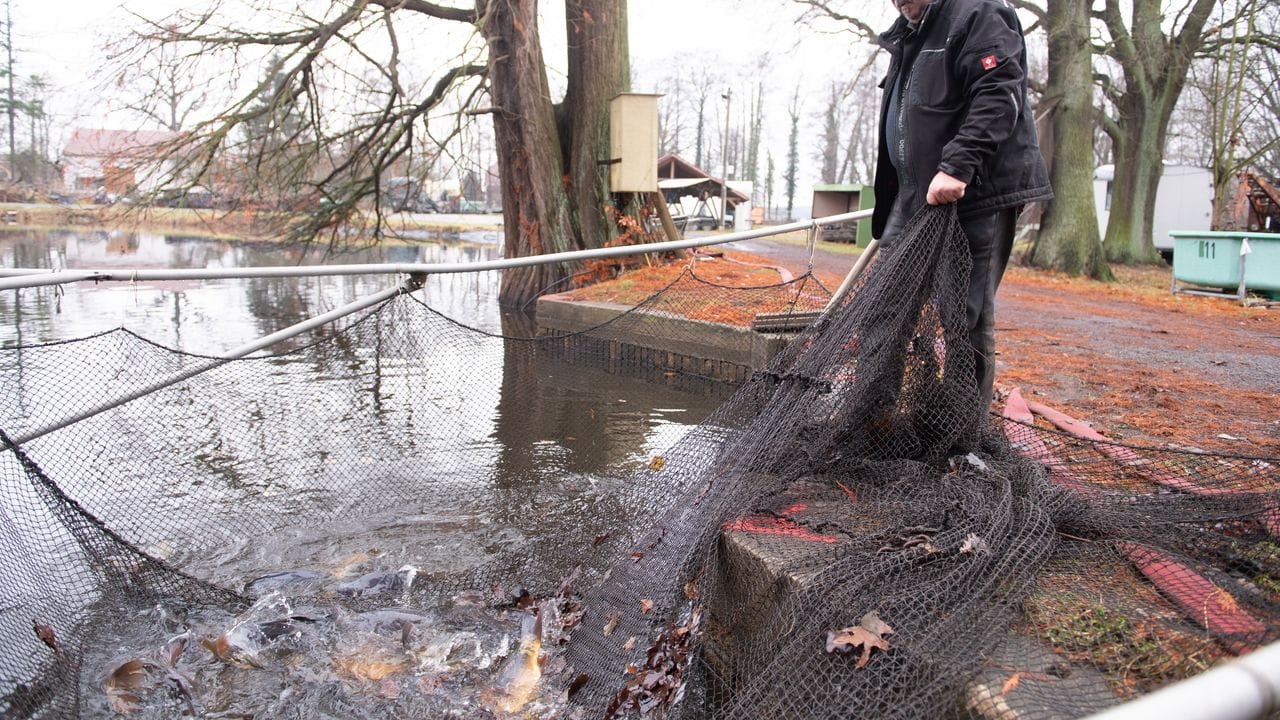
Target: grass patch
1110 618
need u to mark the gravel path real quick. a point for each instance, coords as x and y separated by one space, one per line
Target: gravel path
1140 365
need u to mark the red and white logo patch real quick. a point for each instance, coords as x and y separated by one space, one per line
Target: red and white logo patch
989 62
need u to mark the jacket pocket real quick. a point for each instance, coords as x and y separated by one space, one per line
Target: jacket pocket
931 84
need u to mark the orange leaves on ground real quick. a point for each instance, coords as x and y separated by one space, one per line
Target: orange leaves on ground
691 300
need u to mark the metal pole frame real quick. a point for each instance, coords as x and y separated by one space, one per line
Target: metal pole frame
409 285
12 278
26 277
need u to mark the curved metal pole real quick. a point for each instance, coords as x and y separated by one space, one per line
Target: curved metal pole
407 286
864 260
26 277
1245 689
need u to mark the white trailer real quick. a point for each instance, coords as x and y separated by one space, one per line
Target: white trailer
1184 201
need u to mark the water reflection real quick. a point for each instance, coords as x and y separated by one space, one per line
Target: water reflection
212 316
407 395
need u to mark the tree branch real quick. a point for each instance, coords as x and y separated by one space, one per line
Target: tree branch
824 9
1034 8
467 15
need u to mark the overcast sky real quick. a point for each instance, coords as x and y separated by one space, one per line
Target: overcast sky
64 41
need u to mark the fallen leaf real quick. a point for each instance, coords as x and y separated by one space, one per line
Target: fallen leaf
1225 601
174 650
691 590
868 634
852 495
636 556
45 633
872 622
1011 684
611 624
972 543
629 644
656 463
646 605
219 647
600 539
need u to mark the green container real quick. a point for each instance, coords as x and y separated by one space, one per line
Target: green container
1212 259
866 201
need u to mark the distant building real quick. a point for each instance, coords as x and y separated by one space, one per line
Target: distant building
695 193
117 161
834 199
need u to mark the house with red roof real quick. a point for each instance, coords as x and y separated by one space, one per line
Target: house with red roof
117 161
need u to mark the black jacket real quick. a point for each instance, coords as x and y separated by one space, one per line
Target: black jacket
963 110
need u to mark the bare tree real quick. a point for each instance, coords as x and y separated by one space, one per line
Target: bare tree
670 120
1224 121
1142 86
862 119
754 140
793 153
704 85
360 105
1069 239
828 150
164 87
1266 93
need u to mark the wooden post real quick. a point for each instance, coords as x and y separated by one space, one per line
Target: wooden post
664 214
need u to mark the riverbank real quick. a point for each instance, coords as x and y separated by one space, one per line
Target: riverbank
256 226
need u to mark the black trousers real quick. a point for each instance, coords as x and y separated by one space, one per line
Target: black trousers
990 242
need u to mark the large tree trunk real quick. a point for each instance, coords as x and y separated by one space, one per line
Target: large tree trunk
535 209
1155 71
1069 239
599 68
554 188
1139 151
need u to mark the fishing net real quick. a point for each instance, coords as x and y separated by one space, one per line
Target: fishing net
847 534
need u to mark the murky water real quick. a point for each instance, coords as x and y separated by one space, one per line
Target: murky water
592 428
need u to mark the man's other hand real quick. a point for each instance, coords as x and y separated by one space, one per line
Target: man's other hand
944 189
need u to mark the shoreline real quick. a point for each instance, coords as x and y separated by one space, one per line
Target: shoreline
243 225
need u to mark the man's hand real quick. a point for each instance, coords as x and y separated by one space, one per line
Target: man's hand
944 189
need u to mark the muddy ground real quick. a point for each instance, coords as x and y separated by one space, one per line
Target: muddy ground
1137 362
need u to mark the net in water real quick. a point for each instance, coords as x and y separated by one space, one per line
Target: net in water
846 534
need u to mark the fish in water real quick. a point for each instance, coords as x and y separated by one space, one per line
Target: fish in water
269 627
518 682
292 581
381 582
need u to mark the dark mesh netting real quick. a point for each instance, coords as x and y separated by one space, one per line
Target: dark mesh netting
344 529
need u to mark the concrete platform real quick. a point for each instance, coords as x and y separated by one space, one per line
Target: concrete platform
657 339
770 556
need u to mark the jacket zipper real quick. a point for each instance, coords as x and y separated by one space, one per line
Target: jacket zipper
904 175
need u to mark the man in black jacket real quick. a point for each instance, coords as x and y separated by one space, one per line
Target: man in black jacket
954 128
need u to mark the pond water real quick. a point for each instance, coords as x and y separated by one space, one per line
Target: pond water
584 430
211 316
